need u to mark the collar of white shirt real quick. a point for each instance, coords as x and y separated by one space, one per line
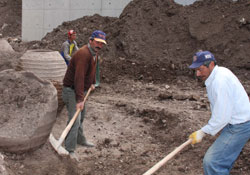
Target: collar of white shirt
211 76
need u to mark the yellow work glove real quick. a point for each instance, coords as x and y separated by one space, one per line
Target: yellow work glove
197 136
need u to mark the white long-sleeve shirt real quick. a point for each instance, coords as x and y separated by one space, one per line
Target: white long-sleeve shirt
229 101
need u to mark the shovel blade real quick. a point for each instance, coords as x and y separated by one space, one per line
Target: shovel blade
55 144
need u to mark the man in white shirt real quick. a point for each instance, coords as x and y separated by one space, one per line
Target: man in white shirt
230 109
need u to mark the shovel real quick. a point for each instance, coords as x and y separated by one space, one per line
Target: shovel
56 144
167 158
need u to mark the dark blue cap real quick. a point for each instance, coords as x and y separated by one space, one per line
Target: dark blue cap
100 36
200 57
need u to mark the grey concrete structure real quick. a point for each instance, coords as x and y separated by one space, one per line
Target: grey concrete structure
185 2
42 16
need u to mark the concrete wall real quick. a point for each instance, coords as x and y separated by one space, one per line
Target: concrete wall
185 2
42 16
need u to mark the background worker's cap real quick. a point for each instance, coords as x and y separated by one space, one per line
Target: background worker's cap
200 58
98 35
71 32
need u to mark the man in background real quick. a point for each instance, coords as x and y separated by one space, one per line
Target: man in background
69 46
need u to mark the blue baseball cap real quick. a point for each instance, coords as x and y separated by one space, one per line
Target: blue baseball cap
100 36
200 57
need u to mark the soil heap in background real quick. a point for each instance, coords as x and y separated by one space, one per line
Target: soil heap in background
10 21
154 39
8 57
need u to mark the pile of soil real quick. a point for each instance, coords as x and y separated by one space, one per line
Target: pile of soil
149 101
11 15
154 40
8 57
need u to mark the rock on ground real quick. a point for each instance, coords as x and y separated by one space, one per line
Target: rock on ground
28 110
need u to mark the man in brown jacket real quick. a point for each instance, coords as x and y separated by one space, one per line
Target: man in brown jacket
79 77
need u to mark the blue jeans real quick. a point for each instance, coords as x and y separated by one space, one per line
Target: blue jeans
75 135
220 157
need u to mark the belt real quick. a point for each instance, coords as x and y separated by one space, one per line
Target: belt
72 86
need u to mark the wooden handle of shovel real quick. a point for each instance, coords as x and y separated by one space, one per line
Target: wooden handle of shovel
72 121
167 158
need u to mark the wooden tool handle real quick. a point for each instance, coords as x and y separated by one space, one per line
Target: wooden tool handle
72 121
167 158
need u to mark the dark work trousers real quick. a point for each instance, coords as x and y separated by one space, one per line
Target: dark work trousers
76 134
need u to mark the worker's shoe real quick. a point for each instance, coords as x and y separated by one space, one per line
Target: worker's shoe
73 156
87 144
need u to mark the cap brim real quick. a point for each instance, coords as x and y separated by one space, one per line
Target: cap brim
195 65
100 40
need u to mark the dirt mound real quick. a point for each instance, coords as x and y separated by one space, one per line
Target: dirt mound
154 40
9 60
157 37
10 21
28 110
5 46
